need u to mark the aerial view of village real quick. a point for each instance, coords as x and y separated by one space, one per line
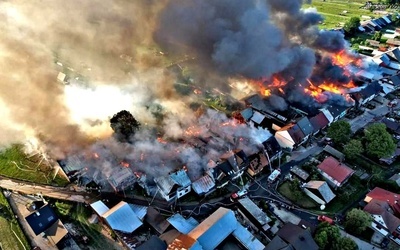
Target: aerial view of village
200 124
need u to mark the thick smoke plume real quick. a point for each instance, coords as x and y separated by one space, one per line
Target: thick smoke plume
109 49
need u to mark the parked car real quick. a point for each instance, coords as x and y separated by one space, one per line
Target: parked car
239 194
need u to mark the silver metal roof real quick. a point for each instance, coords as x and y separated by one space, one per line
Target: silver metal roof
323 189
181 224
140 211
254 210
203 185
247 239
213 230
181 178
99 207
122 218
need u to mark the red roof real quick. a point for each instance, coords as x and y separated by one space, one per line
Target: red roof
338 171
384 195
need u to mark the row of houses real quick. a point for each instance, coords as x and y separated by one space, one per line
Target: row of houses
375 24
176 232
177 184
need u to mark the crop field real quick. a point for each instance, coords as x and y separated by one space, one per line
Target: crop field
11 235
15 164
337 12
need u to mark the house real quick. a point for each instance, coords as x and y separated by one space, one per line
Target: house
121 178
337 112
231 166
154 243
122 218
62 78
99 207
290 136
384 221
156 220
367 94
294 237
384 195
334 152
319 191
319 122
45 221
181 224
174 186
270 151
395 178
253 214
389 160
328 115
215 231
392 125
305 126
300 173
335 172
204 185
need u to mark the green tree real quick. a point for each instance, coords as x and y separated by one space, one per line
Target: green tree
352 25
379 142
339 131
326 235
124 125
353 148
345 243
357 221
377 36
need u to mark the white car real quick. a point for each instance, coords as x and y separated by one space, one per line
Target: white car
239 194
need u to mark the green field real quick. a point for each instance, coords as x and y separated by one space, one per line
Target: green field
303 201
332 10
15 164
11 235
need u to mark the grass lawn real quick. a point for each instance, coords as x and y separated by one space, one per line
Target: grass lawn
11 235
14 163
331 10
302 201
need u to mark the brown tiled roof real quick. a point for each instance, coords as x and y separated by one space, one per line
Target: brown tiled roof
335 169
382 208
384 195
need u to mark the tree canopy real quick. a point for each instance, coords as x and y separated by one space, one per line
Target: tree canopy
379 142
326 235
345 243
352 25
339 131
124 125
357 221
353 148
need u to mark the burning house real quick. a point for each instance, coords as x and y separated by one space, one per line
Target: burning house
121 178
271 150
367 94
231 166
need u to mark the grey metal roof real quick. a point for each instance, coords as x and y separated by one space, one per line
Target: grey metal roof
181 224
247 239
122 218
120 175
73 163
257 117
322 188
300 173
139 210
213 230
99 207
254 210
165 183
203 185
181 178
334 152
305 126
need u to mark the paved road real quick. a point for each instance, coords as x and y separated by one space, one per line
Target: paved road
49 191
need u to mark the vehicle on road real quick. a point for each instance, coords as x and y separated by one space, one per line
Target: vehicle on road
324 218
274 175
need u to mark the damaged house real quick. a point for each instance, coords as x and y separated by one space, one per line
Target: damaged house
231 166
271 150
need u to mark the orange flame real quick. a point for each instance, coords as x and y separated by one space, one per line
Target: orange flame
161 140
124 164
